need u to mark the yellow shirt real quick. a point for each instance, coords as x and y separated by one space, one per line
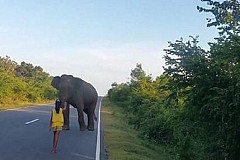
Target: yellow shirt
57 118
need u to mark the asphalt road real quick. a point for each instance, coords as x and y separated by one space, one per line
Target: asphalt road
25 135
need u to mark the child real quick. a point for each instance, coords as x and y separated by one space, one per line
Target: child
56 123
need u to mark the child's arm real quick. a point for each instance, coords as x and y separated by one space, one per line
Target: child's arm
50 122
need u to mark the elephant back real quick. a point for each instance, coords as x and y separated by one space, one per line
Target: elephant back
86 90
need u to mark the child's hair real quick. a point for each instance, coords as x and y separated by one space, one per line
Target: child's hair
57 105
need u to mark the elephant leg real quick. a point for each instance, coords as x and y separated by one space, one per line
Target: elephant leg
90 122
66 117
90 114
81 119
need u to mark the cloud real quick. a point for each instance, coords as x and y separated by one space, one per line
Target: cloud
101 63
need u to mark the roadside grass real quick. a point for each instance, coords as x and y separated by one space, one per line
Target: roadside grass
122 142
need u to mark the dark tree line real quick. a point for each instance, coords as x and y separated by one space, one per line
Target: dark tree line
23 83
194 107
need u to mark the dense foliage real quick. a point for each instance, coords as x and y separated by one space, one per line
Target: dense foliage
194 107
23 83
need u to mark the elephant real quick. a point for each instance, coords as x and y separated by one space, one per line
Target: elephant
81 95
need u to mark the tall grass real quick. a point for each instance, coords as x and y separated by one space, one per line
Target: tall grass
122 142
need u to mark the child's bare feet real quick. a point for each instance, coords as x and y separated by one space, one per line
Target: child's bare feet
54 151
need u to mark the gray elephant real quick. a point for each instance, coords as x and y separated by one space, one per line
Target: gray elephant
81 95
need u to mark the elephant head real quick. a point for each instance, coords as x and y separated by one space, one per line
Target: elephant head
63 84
55 82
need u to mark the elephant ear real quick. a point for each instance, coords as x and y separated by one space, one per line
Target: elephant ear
55 82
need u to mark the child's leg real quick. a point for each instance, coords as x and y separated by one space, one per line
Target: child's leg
56 138
54 141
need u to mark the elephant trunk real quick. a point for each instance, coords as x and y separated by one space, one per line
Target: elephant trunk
63 102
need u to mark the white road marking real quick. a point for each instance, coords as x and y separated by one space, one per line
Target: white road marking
31 121
83 156
97 157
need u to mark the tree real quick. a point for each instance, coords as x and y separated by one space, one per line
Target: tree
226 16
137 73
24 70
7 64
209 80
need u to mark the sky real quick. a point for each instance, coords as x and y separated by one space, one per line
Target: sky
99 41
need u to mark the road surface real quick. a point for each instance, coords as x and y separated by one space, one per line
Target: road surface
25 135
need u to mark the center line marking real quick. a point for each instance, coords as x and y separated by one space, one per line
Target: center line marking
31 121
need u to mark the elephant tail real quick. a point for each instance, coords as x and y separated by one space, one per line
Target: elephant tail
95 117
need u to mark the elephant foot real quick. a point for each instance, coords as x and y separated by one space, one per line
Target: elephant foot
65 128
83 127
90 128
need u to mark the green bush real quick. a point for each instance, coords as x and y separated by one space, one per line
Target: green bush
23 83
